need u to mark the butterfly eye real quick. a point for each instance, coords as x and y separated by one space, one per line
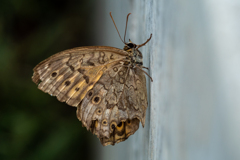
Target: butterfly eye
130 45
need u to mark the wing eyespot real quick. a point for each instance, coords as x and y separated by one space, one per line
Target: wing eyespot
99 111
90 93
96 99
54 74
119 124
113 125
104 122
67 83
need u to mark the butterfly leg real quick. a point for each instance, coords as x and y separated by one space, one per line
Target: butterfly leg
144 72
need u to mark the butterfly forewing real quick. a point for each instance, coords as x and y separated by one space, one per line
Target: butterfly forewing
74 70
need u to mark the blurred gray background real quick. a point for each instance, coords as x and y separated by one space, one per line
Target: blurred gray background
194 61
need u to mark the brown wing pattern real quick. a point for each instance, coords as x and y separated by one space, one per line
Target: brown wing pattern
113 108
70 74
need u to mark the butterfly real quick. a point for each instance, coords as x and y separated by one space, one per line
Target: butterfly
106 84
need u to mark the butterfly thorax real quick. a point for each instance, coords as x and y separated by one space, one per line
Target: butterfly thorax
135 55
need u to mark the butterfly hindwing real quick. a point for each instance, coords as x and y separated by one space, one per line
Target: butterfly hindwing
113 108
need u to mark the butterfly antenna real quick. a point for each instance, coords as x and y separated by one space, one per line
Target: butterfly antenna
145 72
126 26
138 46
116 27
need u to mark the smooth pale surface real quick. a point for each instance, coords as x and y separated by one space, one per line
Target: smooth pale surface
194 58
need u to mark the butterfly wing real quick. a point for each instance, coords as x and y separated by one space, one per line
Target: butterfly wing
113 108
70 74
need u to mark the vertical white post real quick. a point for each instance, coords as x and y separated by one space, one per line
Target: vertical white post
194 60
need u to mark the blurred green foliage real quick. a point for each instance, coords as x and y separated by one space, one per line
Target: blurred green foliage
34 125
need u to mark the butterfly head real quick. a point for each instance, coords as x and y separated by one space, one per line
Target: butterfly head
134 54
